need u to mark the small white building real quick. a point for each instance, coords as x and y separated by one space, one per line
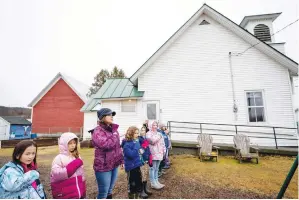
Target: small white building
14 127
211 70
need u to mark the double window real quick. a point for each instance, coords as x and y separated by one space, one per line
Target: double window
256 108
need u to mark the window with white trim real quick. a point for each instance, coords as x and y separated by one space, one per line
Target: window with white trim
256 108
128 106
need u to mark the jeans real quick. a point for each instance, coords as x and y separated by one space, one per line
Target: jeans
106 182
167 161
153 172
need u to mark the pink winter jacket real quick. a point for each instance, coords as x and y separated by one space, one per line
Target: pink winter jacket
67 174
157 145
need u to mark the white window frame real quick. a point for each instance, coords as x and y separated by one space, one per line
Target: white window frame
135 106
264 106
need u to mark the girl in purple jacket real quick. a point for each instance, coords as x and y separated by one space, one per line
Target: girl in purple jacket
108 153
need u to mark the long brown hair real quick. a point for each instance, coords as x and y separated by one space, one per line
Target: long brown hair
20 148
75 153
130 132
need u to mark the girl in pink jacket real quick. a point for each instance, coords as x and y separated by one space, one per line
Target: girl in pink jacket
67 175
158 150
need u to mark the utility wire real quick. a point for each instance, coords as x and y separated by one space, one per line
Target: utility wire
239 54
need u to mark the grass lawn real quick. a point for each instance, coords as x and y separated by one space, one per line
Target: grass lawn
190 178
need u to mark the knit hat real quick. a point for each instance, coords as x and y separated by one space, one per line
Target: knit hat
161 125
104 112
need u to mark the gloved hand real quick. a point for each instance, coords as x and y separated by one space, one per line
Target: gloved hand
72 167
145 144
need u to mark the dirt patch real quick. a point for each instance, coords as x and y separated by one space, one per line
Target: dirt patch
190 178
188 188
176 187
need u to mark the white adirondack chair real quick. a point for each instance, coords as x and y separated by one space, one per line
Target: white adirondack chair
205 147
242 148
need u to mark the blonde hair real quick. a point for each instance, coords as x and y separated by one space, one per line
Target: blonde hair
131 132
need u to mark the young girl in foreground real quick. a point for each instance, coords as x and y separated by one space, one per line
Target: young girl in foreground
19 178
67 175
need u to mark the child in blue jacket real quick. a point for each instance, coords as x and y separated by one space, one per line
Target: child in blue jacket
147 161
19 179
165 164
133 161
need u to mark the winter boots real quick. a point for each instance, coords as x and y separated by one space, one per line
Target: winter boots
146 190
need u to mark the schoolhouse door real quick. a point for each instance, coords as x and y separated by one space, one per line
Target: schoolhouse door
152 110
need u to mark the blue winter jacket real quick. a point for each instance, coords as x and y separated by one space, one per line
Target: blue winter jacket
15 184
166 139
132 157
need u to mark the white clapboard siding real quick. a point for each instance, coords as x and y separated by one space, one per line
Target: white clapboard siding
4 129
192 80
90 122
125 119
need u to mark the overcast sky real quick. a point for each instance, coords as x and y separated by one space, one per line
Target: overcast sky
40 38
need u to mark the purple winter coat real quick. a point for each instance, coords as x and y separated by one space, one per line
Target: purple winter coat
108 153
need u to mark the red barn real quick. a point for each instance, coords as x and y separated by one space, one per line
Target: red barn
56 109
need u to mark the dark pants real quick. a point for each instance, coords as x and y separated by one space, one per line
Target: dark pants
134 180
162 164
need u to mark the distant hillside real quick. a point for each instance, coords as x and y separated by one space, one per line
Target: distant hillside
15 111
